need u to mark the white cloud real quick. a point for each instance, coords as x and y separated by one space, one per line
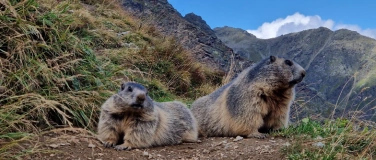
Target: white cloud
299 22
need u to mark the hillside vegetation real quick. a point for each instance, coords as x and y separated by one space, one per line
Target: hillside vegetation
60 60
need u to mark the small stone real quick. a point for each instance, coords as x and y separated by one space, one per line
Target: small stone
272 138
205 151
74 140
238 138
91 145
136 150
145 154
227 146
236 147
318 138
100 154
272 141
159 155
150 156
286 144
319 144
54 145
51 155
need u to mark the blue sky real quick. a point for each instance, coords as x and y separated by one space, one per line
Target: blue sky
271 18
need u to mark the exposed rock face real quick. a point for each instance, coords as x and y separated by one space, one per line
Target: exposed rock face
340 66
191 31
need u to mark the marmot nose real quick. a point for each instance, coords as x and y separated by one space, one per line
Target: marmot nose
303 74
140 98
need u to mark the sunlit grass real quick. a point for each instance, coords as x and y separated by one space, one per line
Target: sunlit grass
60 60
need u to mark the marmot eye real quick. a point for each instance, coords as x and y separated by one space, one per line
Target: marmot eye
130 89
288 62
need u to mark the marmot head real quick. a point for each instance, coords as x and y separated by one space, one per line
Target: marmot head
133 97
278 72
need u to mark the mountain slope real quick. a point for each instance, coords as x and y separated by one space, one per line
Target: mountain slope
191 31
340 65
60 60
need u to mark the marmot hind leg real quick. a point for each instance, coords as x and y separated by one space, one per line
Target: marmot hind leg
254 131
190 136
257 134
123 146
109 137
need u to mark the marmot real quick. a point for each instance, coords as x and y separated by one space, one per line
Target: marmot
259 99
131 119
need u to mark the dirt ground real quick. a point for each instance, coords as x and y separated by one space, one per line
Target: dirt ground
78 145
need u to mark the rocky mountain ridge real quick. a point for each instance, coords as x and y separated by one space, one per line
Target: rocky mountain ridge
190 30
340 65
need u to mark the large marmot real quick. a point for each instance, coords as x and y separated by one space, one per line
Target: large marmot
131 119
258 99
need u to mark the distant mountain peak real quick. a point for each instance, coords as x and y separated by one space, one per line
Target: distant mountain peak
232 30
331 58
198 21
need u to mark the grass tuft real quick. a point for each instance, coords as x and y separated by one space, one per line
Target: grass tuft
60 60
333 139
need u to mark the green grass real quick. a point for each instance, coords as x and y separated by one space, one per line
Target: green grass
342 139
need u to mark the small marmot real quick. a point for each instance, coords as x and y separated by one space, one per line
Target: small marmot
131 119
258 100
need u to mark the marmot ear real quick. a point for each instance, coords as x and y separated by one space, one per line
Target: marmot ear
272 59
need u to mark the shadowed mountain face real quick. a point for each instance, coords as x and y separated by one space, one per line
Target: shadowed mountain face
340 65
190 30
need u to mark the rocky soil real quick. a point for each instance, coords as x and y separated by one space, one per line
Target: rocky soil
79 145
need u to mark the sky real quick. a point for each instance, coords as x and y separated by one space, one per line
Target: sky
271 18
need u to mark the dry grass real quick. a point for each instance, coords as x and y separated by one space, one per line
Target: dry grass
332 139
60 60
342 134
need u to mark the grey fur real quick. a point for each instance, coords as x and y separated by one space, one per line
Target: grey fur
134 118
259 98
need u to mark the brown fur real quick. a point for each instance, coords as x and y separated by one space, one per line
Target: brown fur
132 119
259 99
